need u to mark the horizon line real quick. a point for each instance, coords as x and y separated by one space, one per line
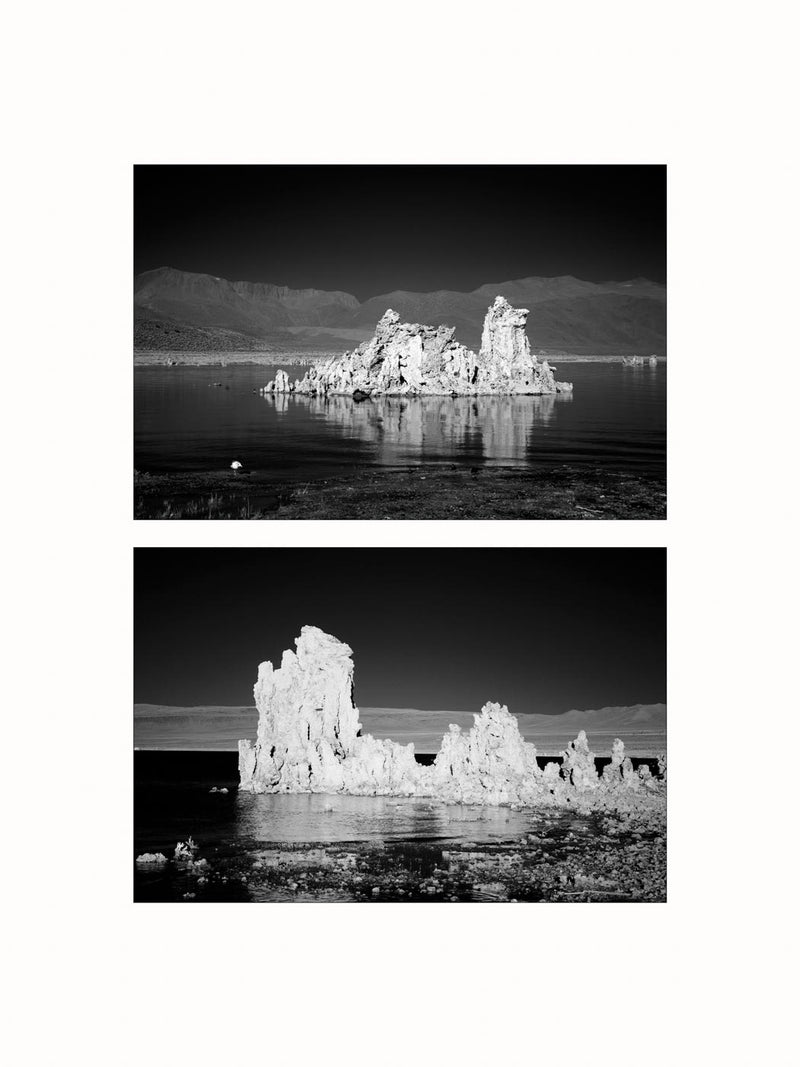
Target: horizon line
416 292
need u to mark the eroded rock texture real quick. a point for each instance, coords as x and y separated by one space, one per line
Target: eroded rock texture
406 359
577 763
490 764
309 740
279 384
507 364
307 722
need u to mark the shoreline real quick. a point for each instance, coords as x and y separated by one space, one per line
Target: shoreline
230 359
299 358
443 491
565 856
548 752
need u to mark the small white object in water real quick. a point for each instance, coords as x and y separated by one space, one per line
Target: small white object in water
236 465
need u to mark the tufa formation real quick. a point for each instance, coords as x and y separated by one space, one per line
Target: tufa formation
406 359
309 740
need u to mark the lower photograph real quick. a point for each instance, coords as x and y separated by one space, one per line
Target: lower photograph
400 725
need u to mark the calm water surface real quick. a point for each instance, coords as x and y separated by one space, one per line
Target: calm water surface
233 832
172 800
616 417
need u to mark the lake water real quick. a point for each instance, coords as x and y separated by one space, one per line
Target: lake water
173 801
234 831
615 418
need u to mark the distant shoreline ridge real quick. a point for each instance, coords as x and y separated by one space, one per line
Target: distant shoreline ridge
176 310
201 728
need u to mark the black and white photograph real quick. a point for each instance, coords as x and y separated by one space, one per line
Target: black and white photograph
400 342
296 742
476 747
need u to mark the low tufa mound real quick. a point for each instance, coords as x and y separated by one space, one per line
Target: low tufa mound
405 359
309 741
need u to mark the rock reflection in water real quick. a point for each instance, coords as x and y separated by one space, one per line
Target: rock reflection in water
269 818
497 428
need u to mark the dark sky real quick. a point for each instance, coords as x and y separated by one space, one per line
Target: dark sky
369 230
541 630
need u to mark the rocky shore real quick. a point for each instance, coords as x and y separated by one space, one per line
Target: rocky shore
444 491
566 857
226 358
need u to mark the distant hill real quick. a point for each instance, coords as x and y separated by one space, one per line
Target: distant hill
566 313
635 717
642 727
166 335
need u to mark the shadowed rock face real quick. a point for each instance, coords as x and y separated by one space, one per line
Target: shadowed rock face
405 359
309 741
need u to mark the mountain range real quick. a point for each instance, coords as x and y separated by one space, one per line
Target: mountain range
174 308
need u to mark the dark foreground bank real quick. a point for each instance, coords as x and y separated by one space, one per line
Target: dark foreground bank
443 491
313 847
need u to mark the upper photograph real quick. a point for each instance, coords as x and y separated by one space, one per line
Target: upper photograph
400 342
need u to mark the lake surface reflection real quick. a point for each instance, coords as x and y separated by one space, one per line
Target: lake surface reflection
200 418
401 430
309 817
331 847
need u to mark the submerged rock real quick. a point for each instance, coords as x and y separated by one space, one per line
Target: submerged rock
309 740
407 359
